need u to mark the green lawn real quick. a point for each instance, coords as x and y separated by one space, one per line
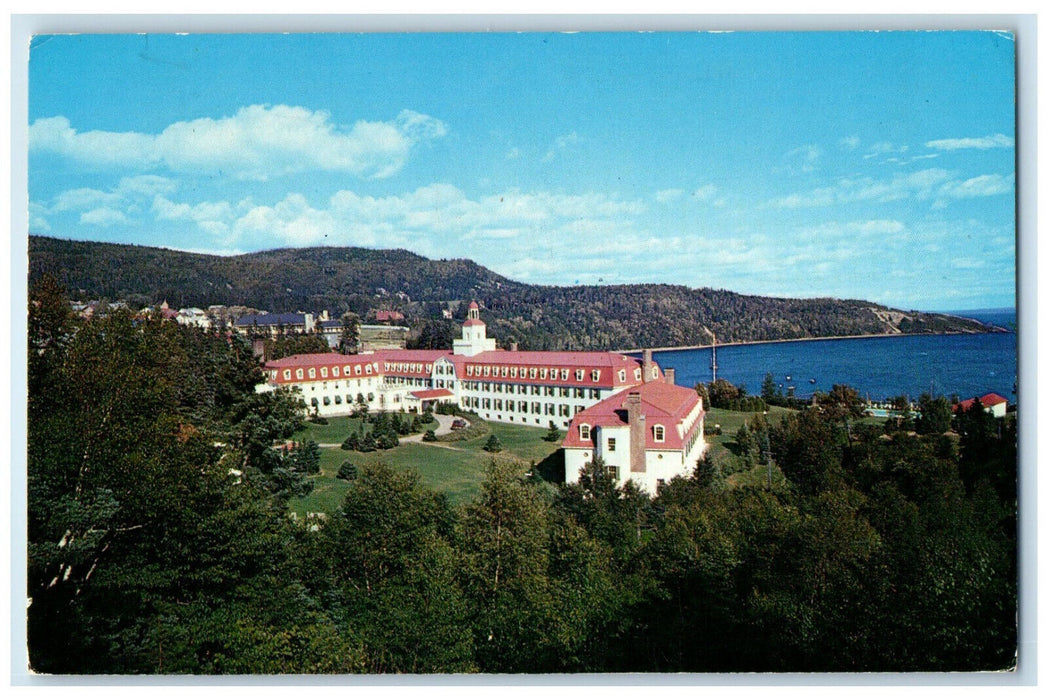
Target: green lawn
455 469
337 430
730 422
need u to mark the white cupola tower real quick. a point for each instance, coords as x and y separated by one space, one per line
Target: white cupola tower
475 338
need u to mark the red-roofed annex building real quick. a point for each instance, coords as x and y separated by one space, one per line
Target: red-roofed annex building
648 433
991 403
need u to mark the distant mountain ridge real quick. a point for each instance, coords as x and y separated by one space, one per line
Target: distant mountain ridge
535 316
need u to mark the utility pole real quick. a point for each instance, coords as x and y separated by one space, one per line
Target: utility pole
714 365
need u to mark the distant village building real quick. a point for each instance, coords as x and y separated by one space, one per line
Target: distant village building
193 317
273 324
387 316
519 387
994 404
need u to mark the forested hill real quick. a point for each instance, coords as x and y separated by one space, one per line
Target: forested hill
535 316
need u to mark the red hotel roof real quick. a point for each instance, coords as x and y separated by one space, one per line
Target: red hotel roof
661 404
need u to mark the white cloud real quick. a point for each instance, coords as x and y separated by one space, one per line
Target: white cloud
804 159
258 142
980 143
705 193
663 196
850 142
104 216
559 144
981 186
38 219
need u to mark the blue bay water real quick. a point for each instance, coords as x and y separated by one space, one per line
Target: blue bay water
966 365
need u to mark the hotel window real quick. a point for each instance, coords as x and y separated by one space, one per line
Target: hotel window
637 374
660 433
611 444
551 391
536 407
323 372
287 374
498 404
622 376
487 370
532 372
327 401
595 375
523 372
298 373
584 432
564 373
614 472
510 405
338 398
367 369
357 369
536 391
542 373
312 372
579 374
334 371
565 410
565 392
505 371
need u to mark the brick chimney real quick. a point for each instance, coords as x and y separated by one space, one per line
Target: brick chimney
513 347
638 431
645 371
670 374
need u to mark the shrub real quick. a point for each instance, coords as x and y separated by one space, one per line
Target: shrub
429 436
347 471
493 444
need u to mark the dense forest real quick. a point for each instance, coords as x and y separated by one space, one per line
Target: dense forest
160 539
358 280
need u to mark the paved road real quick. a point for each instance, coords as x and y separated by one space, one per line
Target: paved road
443 428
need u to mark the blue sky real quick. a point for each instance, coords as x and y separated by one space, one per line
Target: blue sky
872 165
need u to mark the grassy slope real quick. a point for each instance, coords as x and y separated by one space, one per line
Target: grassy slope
455 469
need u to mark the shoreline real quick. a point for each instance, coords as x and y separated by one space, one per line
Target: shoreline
674 348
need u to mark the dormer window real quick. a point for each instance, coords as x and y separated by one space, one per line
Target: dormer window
312 372
542 373
579 374
660 433
513 372
298 373
584 432
287 374
622 376
595 375
637 374
334 371
564 374
323 372
357 369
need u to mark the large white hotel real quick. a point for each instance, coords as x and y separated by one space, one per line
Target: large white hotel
511 386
